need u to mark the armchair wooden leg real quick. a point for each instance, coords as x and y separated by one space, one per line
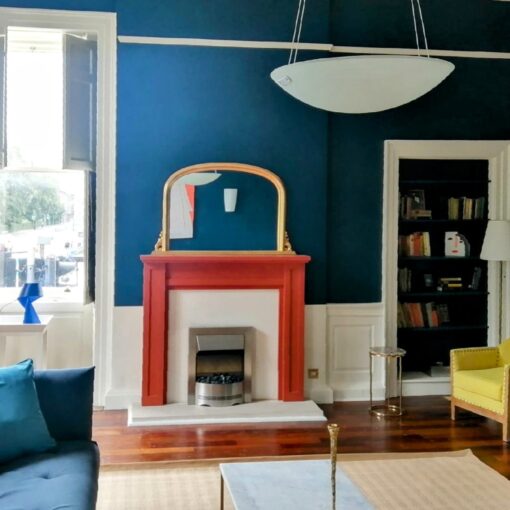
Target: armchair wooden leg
505 431
453 411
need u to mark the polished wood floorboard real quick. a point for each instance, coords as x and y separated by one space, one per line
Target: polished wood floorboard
425 426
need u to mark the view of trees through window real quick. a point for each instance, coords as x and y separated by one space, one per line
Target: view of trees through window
42 201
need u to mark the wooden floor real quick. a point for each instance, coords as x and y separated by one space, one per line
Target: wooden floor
426 426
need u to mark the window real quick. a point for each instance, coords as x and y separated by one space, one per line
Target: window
47 179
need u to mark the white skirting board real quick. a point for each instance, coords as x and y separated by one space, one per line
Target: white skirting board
254 412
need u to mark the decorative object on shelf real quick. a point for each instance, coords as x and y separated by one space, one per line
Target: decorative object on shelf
455 245
230 199
496 247
346 84
333 444
30 292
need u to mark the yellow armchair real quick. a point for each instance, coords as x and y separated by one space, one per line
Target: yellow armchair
480 378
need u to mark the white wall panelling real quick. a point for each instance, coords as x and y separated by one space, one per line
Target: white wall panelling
352 329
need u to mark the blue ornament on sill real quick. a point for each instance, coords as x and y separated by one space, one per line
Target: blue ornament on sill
29 293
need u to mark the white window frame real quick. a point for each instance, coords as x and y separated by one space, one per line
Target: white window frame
105 25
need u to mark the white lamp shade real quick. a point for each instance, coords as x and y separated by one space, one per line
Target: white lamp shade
361 84
200 178
496 244
230 199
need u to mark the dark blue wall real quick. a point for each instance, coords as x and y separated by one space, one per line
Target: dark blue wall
183 105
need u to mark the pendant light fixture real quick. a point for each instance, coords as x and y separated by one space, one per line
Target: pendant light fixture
361 84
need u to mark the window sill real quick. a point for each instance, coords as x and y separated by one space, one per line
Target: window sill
42 306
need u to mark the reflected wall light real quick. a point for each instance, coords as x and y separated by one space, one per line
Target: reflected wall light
230 199
361 84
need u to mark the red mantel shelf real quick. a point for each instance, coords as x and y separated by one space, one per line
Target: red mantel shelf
174 270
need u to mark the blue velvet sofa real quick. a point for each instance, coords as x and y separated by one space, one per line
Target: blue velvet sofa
66 477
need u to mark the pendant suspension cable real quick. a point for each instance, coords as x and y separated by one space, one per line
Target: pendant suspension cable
423 29
416 29
300 28
297 31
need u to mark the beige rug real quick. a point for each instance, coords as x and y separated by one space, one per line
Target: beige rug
437 481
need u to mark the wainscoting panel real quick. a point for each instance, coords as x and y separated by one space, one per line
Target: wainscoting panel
352 330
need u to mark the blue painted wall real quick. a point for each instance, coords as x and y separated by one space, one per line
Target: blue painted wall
182 105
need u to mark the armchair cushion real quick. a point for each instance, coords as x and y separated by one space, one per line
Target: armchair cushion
487 382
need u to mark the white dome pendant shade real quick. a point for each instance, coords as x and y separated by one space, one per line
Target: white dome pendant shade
361 84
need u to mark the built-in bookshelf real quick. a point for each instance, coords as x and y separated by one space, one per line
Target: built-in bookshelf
442 282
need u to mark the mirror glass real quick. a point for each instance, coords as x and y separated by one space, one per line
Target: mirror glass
199 221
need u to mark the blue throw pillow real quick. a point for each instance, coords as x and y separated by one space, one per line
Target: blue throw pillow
23 429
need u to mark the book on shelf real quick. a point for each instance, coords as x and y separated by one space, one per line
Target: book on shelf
450 283
419 315
466 208
416 244
475 280
404 279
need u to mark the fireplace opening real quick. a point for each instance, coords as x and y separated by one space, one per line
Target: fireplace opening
220 366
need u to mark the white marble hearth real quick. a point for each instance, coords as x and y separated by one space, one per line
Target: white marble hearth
254 412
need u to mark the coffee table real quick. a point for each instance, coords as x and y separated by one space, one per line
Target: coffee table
288 485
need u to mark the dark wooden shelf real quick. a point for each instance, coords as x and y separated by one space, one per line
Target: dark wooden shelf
436 258
439 293
415 182
446 328
440 221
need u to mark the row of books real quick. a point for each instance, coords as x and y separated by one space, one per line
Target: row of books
422 315
416 244
427 281
466 208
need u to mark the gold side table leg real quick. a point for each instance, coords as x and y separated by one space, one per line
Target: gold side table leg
222 493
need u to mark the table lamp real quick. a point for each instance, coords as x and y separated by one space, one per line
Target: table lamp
30 291
496 247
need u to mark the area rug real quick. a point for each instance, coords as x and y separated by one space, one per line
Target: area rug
428 481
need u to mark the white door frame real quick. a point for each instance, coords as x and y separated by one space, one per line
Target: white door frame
497 153
105 25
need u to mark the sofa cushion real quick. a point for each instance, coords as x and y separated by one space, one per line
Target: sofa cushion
65 397
488 382
23 429
65 478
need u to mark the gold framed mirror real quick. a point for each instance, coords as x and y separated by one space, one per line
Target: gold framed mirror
282 242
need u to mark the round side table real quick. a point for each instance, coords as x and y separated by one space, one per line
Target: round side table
392 405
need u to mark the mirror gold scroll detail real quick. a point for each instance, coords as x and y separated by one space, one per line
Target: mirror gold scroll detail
283 245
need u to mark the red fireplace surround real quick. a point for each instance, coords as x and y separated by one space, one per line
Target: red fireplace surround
165 272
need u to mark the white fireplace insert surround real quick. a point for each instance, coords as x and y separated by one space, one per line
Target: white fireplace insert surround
224 308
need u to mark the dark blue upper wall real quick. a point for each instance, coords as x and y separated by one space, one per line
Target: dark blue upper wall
471 104
477 25
260 20
183 105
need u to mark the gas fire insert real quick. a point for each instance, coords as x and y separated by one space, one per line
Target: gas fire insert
220 366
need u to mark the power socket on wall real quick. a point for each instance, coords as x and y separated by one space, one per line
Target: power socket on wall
313 373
